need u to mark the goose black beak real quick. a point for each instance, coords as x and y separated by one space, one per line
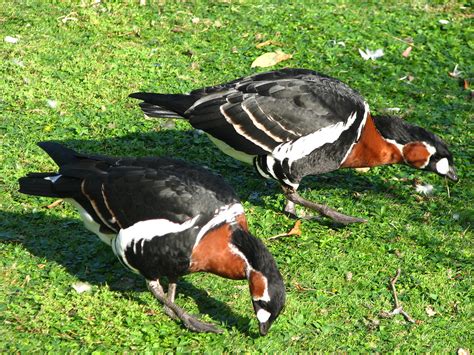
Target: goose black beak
264 327
452 174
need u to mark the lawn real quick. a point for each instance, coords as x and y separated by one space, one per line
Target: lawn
67 79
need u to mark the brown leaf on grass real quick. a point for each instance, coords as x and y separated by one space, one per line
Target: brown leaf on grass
55 203
294 231
177 29
296 228
267 43
407 51
270 59
466 84
151 312
301 288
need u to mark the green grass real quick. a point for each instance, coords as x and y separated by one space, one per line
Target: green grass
90 64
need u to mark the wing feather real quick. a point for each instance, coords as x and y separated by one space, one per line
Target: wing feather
268 109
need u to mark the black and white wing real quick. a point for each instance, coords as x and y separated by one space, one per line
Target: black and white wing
257 113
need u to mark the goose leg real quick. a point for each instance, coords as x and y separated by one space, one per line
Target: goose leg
189 321
324 210
171 296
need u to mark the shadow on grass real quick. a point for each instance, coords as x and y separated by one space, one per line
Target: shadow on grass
82 254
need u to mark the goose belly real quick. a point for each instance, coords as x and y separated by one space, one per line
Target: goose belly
90 224
227 149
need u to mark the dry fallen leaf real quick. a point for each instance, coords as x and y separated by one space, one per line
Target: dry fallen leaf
296 228
407 51
270 59
430 311
301 288
177 29
55 203
348 276
294 231
267 43
362 170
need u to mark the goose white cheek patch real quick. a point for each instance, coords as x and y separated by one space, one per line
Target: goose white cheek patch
442 166
263 315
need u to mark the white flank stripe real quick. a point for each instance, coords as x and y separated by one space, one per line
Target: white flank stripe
239 130
53 179
146 230
224 214
258 125
89 222
305 145
263 315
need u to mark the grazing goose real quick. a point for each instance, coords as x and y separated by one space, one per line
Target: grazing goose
291 123
165 217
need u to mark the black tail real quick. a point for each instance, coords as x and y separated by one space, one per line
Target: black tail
59 153
164 105
38 184
41 184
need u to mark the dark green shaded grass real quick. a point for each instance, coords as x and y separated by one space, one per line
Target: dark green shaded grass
89 66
